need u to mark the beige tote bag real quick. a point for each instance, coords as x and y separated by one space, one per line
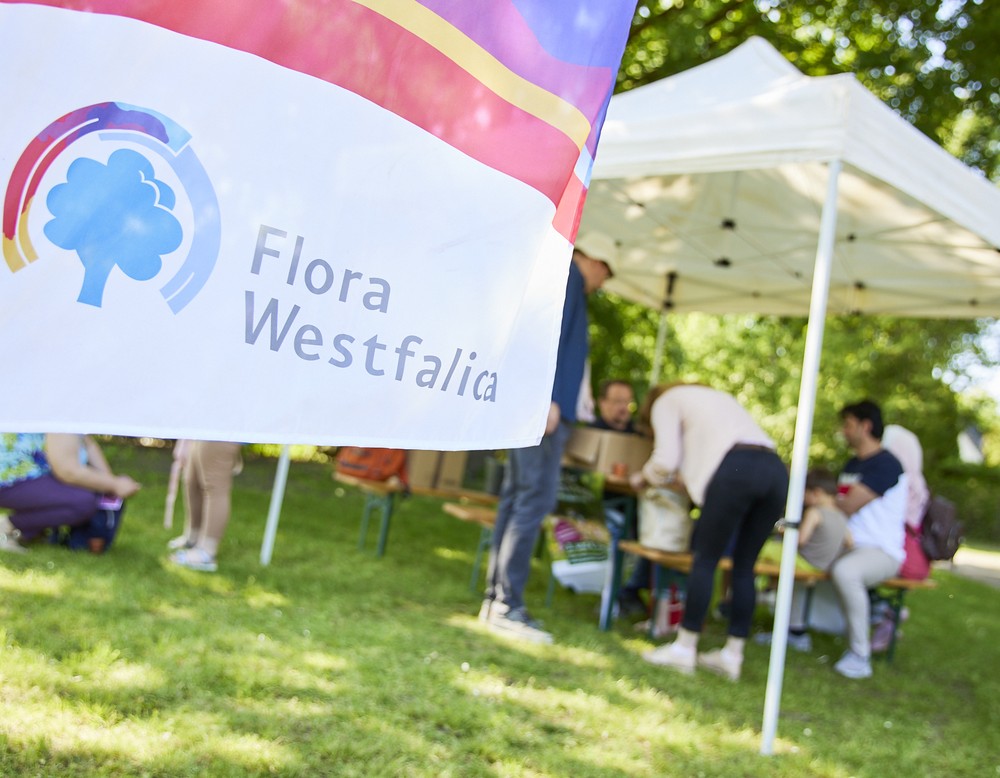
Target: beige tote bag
665 520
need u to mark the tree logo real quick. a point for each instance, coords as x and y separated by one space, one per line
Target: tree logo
119 210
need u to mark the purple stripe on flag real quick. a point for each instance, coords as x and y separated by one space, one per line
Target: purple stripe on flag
502 30
590 32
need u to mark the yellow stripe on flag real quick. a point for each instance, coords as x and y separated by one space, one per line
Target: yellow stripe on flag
482 65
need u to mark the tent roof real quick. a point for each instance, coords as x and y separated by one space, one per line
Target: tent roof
716 177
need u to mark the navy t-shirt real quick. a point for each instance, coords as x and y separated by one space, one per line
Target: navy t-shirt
879 472
879 523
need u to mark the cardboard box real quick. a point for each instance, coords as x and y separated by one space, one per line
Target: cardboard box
602 450
436 469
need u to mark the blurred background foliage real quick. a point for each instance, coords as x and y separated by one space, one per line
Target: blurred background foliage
934 61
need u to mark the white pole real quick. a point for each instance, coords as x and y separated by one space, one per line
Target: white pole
274 511
661 338
661 331
800 457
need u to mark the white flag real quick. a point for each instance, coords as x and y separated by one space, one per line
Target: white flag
339 222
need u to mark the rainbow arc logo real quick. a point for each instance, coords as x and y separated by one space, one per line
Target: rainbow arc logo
118 213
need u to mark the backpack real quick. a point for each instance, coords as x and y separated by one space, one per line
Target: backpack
372 464
941 531
916 566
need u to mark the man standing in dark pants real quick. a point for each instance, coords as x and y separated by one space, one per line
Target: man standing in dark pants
531 481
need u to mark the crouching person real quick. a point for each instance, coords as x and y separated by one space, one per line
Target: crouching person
54 480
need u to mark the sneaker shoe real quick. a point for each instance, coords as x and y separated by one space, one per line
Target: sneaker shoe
195 559
673 655
850 665
882 635
9 536
721 662
8 542
801 642
516 623
175 544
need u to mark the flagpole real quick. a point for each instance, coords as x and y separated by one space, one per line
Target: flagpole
274 511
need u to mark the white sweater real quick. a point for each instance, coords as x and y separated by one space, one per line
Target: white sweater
694 427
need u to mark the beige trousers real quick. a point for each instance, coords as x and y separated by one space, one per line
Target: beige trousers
208 482
853 574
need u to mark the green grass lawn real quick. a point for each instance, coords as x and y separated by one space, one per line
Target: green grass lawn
331 662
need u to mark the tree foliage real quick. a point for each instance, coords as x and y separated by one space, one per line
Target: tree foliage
936 62
897 362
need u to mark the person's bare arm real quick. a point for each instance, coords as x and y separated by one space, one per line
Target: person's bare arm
673 481
63 453
857 497
95 457
811 518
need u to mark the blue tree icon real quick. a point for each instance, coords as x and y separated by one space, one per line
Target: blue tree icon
114 214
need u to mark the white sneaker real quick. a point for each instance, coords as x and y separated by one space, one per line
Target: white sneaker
9 535
851 665
175 544
721 662
516 623
195 559
673 655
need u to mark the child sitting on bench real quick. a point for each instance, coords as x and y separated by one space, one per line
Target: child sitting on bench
823 537
823 534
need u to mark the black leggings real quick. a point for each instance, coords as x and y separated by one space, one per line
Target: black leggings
745 498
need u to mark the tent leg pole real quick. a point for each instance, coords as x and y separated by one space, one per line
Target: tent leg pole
661 338
800 457
274 511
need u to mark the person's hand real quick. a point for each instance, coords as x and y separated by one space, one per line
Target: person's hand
637 481
552 422
125 486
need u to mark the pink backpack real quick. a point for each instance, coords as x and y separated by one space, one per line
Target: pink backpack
916 565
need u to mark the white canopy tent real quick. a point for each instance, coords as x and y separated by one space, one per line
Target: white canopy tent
718 175
743 185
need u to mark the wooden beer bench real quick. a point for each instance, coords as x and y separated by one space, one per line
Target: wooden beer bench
680 563
486 518
381 495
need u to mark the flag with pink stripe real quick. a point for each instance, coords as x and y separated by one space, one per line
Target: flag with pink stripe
320 221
